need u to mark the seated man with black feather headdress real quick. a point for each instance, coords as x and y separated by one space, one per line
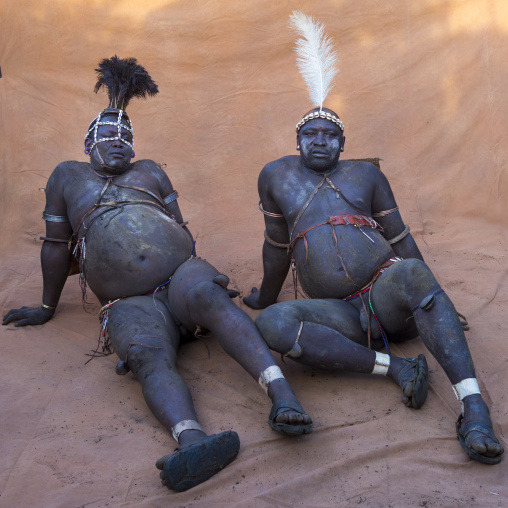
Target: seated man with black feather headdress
137 256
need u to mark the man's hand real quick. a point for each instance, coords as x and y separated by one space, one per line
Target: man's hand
252 300
28 316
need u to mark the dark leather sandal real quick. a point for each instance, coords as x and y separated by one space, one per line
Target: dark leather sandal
468 433
415 372
197 461
291 429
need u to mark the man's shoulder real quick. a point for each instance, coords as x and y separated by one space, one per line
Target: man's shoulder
68 168
148 165
281 165
367 167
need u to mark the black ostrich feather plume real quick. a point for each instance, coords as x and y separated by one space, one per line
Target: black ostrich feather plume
124 79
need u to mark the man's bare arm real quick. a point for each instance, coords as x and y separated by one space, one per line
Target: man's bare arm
170 196
395 231
276 259
55 259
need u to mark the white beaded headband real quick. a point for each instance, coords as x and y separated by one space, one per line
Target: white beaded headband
320 114
118 124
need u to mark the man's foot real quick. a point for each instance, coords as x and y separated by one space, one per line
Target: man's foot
412 375
288 417
197 461
475 433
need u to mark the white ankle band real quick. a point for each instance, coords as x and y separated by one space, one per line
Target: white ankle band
466 387
268 375
185 425
382 363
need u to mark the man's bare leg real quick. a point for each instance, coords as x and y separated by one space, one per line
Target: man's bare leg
145 336
409 290
332 338
197 295
327 334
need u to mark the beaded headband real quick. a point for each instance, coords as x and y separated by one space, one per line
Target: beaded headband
118 124
320 114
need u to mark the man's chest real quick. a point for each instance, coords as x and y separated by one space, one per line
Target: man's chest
326 197
93 192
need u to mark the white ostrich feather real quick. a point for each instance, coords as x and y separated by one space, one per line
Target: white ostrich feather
315 56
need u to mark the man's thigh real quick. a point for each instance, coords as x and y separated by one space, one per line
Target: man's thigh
144 319
331 313
397 291
188 275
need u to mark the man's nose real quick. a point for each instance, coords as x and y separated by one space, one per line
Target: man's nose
116 142
319 139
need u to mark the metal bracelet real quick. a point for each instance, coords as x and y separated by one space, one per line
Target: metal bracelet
268 375
172 197
466 387
54 218
382 364
185 425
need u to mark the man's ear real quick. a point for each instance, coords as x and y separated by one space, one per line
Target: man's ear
88 143
297 142
343 143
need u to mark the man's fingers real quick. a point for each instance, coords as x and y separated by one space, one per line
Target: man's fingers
24 322
25 316
12 315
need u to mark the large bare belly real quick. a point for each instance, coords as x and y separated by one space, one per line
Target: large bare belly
324 275
131 251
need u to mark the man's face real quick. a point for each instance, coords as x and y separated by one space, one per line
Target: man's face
115 154
320 144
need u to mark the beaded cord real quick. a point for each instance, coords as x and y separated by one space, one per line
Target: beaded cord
320 114
117 124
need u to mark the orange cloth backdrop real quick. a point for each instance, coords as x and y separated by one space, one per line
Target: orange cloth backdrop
422 85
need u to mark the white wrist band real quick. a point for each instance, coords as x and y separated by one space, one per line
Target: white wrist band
466 387
382 363
268 375
185 425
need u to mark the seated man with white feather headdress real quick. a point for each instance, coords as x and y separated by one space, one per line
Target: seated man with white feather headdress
336 223
137 255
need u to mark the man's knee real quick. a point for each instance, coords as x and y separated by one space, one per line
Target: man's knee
207 296
149 353
277 326
416 273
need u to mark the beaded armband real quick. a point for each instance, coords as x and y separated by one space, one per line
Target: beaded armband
54 218
172 197
320 114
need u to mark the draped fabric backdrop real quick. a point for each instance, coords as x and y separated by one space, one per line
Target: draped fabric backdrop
422 85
